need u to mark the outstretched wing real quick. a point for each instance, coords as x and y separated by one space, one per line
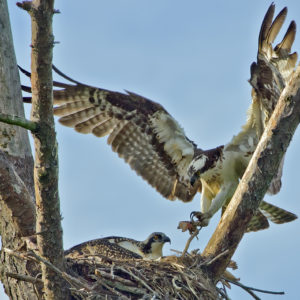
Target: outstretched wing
271 72
269 76
274 66
139 130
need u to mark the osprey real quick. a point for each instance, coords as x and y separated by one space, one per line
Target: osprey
122 247
152 142
151 248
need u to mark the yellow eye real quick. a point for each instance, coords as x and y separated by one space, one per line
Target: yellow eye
156 237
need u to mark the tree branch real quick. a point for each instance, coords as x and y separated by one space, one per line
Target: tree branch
257 177
50 244
248 288
24 278
193 235
18 121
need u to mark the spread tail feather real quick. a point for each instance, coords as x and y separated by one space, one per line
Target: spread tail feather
270 212
258 222
276 214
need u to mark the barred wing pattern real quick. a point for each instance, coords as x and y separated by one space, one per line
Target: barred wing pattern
101 248
139 130
270 74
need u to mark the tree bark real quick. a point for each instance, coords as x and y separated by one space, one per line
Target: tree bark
257 178
17 212
48 224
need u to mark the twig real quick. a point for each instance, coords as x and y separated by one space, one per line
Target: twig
138 279
248 288
18 121
15 253
217 257
104 274
249 292
123 287
72 280
223 294
176 251
33 256
195 233
197 259
174 283
24 278
26 5
189 285
113 290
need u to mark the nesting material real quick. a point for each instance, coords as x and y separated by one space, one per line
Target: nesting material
170 277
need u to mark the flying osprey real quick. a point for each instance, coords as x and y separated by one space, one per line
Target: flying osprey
122 248
152 142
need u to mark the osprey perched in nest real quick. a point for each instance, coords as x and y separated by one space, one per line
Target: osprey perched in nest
152 142
123 248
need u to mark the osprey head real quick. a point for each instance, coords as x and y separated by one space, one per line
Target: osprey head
153 245
196 167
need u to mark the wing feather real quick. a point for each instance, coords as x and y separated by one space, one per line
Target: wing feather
72 107
139 130
116 135
71 120
88 125
105 128
288 39
276 26
269 76
265 26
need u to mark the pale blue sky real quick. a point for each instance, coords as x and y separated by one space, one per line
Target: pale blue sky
194 58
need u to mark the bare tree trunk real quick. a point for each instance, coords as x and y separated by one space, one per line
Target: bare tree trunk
257 178
48 224
17 215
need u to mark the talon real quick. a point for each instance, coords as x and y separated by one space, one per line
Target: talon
202 218
195 214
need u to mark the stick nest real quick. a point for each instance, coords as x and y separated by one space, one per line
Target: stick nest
171 277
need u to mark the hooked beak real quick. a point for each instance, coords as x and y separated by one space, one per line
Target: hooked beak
194 178
167 240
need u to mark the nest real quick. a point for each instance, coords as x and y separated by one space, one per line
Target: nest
101 277
171 277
